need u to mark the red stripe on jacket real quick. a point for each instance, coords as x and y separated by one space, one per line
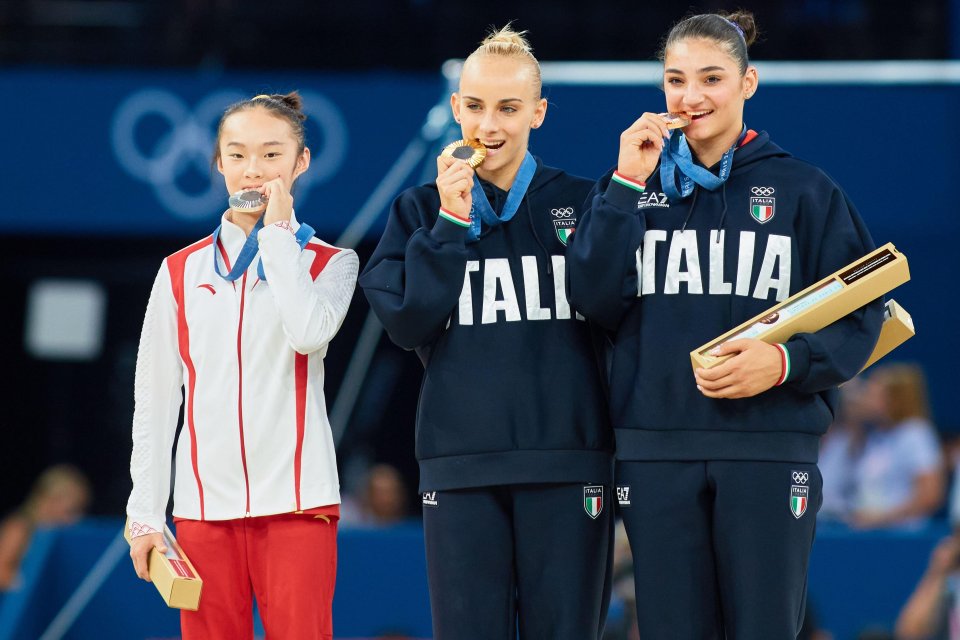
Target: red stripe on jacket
176 265
300 374
322 256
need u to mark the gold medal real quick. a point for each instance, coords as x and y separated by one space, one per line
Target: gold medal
675 121
470 150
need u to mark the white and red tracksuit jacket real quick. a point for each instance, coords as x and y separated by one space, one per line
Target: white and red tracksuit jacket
249 356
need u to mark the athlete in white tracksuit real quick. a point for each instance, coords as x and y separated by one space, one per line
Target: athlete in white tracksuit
249 354
256 494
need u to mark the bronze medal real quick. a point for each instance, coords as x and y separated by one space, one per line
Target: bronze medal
675 121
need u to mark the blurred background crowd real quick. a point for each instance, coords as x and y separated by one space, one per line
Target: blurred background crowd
382 33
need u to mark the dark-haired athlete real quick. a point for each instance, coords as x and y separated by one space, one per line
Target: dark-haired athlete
698 230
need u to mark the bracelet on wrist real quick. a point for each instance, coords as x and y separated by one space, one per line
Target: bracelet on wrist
454 218
784 364
637 185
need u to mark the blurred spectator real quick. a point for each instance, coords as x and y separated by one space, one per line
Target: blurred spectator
953 508
810 629
381 500
932 612
59 497
900 476
840 451
622 618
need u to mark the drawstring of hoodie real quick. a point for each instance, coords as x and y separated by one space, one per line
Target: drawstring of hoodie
693 202
723 210
676 157
723 213
533 228
723 216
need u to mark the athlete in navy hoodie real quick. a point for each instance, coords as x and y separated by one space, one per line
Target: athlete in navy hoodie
715 470
513 436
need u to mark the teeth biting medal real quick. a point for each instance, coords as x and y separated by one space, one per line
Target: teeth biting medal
675 121
247 200
470 150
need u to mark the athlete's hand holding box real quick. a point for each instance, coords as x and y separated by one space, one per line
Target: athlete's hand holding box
826 302
173 574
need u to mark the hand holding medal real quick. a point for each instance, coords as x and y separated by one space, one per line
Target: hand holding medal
641 144
277 208
455 166
279 202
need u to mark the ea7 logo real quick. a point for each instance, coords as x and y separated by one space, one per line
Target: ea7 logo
430 499
623 495
653 199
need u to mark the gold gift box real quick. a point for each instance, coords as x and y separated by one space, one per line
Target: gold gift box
820 304
897 329
173 574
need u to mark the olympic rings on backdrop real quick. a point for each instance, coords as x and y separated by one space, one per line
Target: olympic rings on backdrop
186 144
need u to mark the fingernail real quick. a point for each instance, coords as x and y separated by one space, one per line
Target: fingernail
699 388
715 351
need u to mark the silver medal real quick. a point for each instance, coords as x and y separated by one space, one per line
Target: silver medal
250 200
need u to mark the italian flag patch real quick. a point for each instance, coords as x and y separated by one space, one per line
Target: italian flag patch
799 497
763 209
593 501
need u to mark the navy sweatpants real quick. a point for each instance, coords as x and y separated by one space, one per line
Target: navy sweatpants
720 548
529 558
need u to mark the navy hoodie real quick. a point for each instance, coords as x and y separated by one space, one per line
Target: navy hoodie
667 277
513 388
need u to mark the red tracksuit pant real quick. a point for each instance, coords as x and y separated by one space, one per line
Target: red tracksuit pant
288 562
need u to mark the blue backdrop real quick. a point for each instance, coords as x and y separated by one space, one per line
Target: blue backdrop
130 152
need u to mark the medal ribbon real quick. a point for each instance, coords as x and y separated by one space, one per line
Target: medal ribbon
481 209
676 157
250 249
